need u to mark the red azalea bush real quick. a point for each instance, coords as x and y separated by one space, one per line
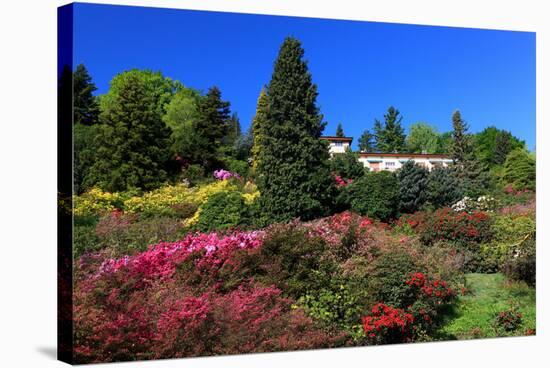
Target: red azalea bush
387 325
508 320
445 224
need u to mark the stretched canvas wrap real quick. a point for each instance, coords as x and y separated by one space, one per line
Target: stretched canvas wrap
236 183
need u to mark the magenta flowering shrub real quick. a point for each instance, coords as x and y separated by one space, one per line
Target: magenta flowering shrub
225 175
169 302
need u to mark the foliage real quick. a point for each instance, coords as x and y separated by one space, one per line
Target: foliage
223 210
366 142
522 265
461 228
84 153
422 138
413 187
210 127
132 143
390 137
508 320
492 145
471 173
374 195
126 234
96 202
257 125
443 187
520 170
85 105
340 131
346 165
387 325
293 168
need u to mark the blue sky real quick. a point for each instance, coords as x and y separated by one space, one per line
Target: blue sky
360 68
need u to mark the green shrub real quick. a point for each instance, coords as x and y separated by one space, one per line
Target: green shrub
347 165
221 211
194 174
237 166
387 278
520 170
374 195
85 240
522 265
340 305
295 260
128 233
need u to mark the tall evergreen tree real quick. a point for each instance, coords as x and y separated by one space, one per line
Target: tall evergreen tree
366 142
413 185
390 137
340 131
132 144
210 128
472 175
257 125
461 149
293 169
443 187
86 108
520 170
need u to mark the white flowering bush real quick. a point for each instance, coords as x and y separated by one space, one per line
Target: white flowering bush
482 203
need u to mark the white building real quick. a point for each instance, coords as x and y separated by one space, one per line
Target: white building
387 161
338 144
394 161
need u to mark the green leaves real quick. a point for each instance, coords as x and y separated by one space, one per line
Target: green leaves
292 164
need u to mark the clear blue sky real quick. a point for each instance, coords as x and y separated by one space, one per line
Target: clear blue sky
360 68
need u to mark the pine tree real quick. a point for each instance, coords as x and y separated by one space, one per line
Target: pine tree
366 142
413 185
257 124
461 149
210 128
443 187
340 131
293 169
86 108
391 136
472 175
132 143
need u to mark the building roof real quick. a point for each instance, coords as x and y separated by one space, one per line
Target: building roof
334 138
413 155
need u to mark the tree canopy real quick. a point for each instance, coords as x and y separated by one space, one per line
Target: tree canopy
390 137
293 168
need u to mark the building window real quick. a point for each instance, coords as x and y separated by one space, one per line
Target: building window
338 144
390 164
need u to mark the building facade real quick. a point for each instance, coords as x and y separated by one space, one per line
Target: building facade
338 144
387 161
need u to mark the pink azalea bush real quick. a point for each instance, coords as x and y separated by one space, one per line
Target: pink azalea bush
225 175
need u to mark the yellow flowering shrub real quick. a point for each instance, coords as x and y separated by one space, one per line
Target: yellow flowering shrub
95 202
157 200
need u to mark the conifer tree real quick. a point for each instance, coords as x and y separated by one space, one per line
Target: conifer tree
210 128
390 137
132 144
257 124
366 142
472 175
86 108
413 185
340 131
520 170
443 187
293 169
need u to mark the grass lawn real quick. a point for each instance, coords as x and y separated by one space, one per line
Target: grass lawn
474 314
